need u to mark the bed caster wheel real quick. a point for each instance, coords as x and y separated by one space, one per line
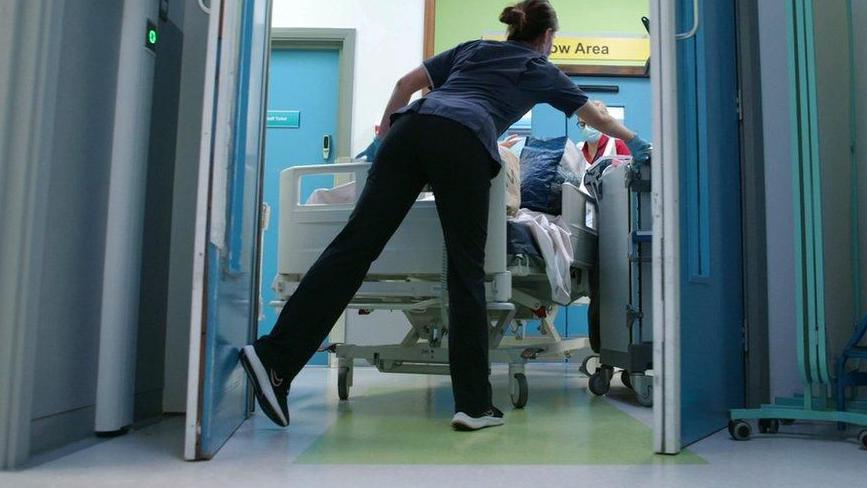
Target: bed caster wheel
599 383
520 391
626 380
862 438
769 426
645 396
642 386
740 430
589 366
343 383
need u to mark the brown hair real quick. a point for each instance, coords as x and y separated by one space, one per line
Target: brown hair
529 19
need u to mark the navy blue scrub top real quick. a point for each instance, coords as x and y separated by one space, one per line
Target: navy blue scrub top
489 85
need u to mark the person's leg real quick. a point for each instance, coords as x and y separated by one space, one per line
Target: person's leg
393 185
460 173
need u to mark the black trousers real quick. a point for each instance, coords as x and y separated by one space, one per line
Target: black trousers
419 149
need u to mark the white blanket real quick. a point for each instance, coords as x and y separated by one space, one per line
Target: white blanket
344 193
553 237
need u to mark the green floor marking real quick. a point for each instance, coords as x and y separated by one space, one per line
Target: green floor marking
560 426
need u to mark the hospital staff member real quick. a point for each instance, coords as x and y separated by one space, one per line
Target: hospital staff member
447 139
597 145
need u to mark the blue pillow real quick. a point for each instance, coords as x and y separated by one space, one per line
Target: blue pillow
542 176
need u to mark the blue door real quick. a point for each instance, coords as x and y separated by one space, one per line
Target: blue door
712 376
303 83
225 258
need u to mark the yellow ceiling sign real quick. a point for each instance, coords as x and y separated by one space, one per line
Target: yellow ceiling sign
572 49
575 49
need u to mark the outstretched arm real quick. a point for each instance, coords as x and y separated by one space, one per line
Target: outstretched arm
608 125
408 84
604 122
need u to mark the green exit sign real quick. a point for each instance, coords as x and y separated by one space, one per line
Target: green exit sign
151 36
284 119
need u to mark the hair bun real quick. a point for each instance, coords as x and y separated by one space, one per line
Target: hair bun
513 16
529 20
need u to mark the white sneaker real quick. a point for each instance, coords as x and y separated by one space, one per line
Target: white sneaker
271 391
491 418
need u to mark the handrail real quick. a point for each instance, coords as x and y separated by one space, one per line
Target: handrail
695 24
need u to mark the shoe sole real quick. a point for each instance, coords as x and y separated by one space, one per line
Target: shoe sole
256 373
464 423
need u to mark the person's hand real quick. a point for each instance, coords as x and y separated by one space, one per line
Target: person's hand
511 141
640 149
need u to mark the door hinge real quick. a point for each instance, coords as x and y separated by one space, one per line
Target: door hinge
740 105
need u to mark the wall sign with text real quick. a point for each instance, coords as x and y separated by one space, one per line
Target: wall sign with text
283 119
604 53
568 49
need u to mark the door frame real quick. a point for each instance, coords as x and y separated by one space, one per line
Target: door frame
344 41
755 252
665 202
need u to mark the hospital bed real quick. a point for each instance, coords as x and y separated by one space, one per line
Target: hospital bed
409 276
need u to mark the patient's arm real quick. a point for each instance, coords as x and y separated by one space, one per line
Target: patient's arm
410 83
511 141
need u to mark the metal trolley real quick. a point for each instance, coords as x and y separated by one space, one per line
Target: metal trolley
621 319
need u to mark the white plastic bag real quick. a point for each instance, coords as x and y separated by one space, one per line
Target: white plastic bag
553 238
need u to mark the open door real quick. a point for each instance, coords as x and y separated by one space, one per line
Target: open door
224 301
711 243
698 262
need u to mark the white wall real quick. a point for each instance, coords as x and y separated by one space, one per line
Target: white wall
776 107
834 110
389 43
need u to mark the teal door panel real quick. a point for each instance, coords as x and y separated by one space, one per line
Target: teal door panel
711 371
303 94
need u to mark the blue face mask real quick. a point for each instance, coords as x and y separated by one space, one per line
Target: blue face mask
591 135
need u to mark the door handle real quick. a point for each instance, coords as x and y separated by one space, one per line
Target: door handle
326 147
695 24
